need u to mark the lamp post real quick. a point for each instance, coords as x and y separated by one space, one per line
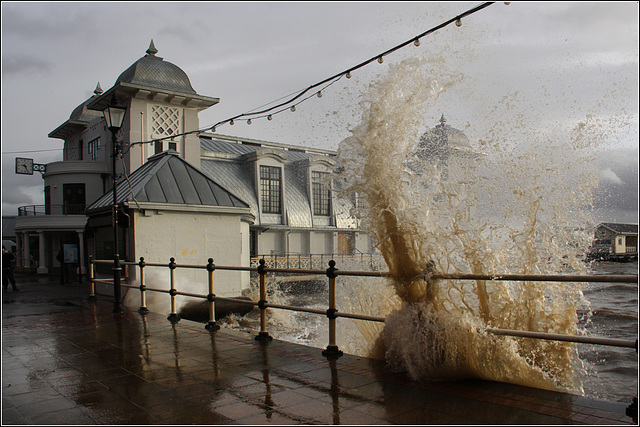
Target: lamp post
114 116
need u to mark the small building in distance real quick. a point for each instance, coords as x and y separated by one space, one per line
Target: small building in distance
615 242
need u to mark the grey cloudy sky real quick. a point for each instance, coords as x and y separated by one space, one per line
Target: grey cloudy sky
552 64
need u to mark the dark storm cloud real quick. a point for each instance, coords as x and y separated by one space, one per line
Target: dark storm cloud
38 20
18 64
618 187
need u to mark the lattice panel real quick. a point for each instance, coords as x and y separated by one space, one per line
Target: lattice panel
165 121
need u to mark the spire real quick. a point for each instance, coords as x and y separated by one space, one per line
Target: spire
98 90
152 49
442 120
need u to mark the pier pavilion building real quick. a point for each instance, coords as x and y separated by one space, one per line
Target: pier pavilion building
190 195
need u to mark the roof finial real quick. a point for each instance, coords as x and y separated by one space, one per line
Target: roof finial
152 49
443 120
98 90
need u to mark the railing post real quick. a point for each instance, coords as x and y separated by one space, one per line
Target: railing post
212 326
263 335
143 299
332 350
92 285
173 317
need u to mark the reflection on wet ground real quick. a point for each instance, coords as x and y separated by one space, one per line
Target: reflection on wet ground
66 360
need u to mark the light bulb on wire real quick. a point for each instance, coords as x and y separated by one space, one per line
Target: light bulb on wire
347 74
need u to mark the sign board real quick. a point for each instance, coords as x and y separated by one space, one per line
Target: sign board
70 253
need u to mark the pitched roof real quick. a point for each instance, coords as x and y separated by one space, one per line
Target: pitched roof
166 178
620 228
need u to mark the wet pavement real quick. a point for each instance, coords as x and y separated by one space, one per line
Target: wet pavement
67 360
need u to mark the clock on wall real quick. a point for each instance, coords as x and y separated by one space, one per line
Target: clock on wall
24 166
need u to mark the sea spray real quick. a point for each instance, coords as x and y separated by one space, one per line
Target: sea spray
516 207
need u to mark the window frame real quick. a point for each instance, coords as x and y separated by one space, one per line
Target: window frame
74 198
92 148
271 189
321 193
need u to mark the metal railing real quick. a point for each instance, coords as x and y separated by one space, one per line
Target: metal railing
331 312
40 210
372 261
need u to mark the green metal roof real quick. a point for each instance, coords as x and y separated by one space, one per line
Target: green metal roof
167 178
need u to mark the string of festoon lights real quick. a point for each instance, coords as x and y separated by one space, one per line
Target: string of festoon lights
315 90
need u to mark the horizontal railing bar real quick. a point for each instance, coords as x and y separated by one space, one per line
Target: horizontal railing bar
291 308
570 338
196 266
630 278
293 270
101 261
362 273
240 301
539 277
231 267
164 291
109 281
361 317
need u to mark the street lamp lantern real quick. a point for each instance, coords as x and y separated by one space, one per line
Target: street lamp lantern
114 117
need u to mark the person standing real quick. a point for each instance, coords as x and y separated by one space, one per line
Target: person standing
60 258
7 269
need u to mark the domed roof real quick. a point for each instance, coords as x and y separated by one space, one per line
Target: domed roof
153 71
443 136
82 113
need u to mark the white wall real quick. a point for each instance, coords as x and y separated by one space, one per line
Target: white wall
192 238
322 243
